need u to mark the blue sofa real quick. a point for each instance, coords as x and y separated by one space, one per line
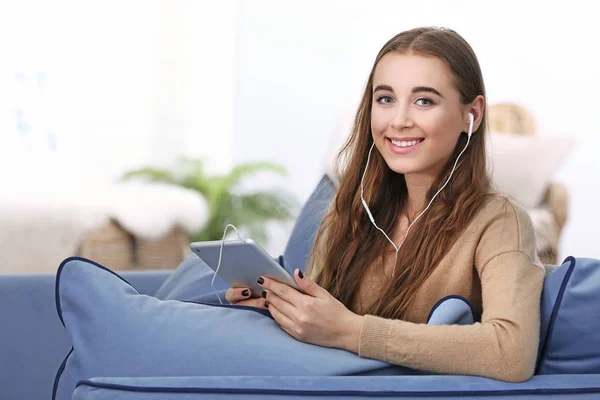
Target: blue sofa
34 343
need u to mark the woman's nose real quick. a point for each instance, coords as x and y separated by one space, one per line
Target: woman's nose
401 119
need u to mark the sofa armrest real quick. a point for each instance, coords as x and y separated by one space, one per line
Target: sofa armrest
363 387
33 342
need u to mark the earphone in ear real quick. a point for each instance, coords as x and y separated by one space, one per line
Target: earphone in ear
471 120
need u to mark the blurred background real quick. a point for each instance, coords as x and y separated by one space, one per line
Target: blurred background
243 91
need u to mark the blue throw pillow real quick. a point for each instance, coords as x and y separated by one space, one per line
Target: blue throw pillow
570 319
191 281
118 332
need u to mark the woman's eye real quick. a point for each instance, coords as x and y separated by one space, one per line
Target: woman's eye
424 102
384 100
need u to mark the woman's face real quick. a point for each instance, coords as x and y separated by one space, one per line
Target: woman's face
416 114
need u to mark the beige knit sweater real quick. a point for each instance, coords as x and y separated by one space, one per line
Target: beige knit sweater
495 266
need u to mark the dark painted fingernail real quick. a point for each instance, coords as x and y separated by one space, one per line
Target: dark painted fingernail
260 280
267 304
300 274
246 293
264 294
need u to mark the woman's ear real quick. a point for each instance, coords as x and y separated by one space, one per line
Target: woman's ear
477 108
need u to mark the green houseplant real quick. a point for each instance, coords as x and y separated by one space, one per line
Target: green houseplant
249 212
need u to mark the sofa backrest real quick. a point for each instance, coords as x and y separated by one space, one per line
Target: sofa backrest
303 235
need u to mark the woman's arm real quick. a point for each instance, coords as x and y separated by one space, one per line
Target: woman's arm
503 346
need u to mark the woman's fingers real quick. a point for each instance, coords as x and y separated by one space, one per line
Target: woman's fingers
235 295
241 297
282 290
282 319
282 306
257 303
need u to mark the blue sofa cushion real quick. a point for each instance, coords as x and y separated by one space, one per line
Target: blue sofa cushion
118 332
563 387
570 320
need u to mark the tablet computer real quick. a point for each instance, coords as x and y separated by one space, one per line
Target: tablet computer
242 263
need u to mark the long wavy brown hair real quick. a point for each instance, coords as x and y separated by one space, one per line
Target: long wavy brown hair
346 242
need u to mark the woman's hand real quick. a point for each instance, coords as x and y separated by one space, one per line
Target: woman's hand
315 317
241 297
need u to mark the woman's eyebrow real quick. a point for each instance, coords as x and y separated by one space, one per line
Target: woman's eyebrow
384 87
416 89
426 89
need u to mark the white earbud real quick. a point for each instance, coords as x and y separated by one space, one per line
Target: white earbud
471 119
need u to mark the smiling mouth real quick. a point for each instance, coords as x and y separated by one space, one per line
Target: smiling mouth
405 143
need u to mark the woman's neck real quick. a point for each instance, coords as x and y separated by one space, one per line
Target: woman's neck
417 187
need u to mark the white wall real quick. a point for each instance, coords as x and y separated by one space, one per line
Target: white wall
301 64
194 82
128 83
114 85
96 92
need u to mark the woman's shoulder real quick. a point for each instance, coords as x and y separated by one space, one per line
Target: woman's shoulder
503 225
499 205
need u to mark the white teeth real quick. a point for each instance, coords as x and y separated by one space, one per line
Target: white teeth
404 143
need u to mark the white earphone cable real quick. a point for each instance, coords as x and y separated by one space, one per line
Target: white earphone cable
240 237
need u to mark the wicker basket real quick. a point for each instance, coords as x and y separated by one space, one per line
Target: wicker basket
109 245
116 249
164 253
511 118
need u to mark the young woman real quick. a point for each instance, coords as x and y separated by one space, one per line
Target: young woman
430 226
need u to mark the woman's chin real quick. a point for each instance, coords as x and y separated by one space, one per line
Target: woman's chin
418 172
403 167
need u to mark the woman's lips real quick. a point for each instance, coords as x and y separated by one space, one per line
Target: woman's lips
403 150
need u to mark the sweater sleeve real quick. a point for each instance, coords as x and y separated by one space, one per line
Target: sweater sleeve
504 344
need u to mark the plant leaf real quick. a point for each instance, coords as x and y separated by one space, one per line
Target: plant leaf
151 174
249 212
